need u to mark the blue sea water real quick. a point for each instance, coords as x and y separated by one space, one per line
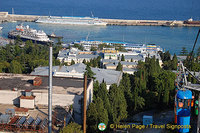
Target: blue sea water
169 38
123 9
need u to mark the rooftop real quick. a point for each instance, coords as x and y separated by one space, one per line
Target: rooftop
24 82
110 76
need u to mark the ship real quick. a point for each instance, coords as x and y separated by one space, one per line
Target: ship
1 28
52 35
192 22
26 33
71 20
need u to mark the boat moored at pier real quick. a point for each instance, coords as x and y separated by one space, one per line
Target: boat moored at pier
71 20
26 33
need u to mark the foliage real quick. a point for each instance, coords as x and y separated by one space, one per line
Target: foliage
23 59
72 128
93 49
169 64
84 61
125 86
122 58
118 104
15 67
80 47
119 67
102 93
89 72
72 62
184 51
96 114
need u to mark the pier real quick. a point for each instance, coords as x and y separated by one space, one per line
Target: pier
5 17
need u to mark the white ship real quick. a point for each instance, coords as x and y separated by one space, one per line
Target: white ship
1 28
26 33
71 20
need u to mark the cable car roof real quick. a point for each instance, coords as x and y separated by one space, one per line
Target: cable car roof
184 94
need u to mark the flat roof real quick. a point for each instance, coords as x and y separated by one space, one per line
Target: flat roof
25 82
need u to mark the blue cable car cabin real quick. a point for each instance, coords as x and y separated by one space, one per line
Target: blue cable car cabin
183 109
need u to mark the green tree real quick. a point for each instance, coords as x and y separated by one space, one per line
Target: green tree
119 67
96 114
72 128
184 51
59 41
84 61
125 86
93 49
102 93
72 62
174 62
138 101
15 67
131 59
118 104
122 58
89 72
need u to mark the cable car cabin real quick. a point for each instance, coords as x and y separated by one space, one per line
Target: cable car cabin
183 108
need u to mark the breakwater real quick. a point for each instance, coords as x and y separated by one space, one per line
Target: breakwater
5 17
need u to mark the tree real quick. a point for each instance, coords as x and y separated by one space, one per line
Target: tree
117 103
167 56
15 67
84 61
72 62
102 93
59 41
138 101
131 59
174 62
96 114
125 86
184 51
119 67
72 128
122 58
93 49
89 72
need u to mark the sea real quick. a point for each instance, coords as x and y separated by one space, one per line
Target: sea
169 38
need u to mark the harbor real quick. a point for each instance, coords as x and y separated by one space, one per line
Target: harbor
6 17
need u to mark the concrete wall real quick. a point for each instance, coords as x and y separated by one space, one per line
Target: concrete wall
27 103
9 97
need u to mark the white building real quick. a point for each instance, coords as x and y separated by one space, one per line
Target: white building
65 92
67 55
77 71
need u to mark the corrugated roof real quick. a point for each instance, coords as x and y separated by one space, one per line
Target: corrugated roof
110 76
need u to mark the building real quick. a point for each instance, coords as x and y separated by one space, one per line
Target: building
65 92
77 71
139 48
109 53
67 55
27 99
126 64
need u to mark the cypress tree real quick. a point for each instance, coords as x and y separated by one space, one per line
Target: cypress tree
72 62
122 58
119 67
118 104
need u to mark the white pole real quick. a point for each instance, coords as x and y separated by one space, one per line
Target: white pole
50 92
